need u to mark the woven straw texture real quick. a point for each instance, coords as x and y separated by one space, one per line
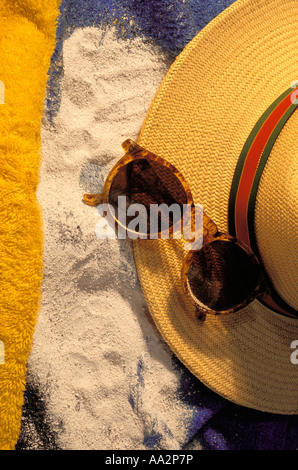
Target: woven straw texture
202 114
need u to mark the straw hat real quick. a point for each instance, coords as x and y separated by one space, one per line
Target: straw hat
203 113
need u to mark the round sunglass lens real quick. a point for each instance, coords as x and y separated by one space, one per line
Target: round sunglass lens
223 276
148 184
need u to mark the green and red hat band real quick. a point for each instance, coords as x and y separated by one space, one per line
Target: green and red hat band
247 177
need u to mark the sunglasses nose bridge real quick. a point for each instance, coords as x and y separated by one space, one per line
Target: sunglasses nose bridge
210 229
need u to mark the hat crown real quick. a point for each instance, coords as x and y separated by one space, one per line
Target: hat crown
252 161
276 218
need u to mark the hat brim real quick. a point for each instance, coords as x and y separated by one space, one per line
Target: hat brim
202 114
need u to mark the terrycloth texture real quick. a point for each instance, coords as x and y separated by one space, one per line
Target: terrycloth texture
27 38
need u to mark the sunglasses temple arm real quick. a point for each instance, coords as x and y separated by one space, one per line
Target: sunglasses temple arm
131 147
92 199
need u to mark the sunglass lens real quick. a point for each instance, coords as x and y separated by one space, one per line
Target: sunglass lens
223 276
150 184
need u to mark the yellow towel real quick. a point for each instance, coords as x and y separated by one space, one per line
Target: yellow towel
27 40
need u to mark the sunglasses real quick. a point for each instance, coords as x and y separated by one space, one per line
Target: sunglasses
223 275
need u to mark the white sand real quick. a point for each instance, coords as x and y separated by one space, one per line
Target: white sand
104 371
